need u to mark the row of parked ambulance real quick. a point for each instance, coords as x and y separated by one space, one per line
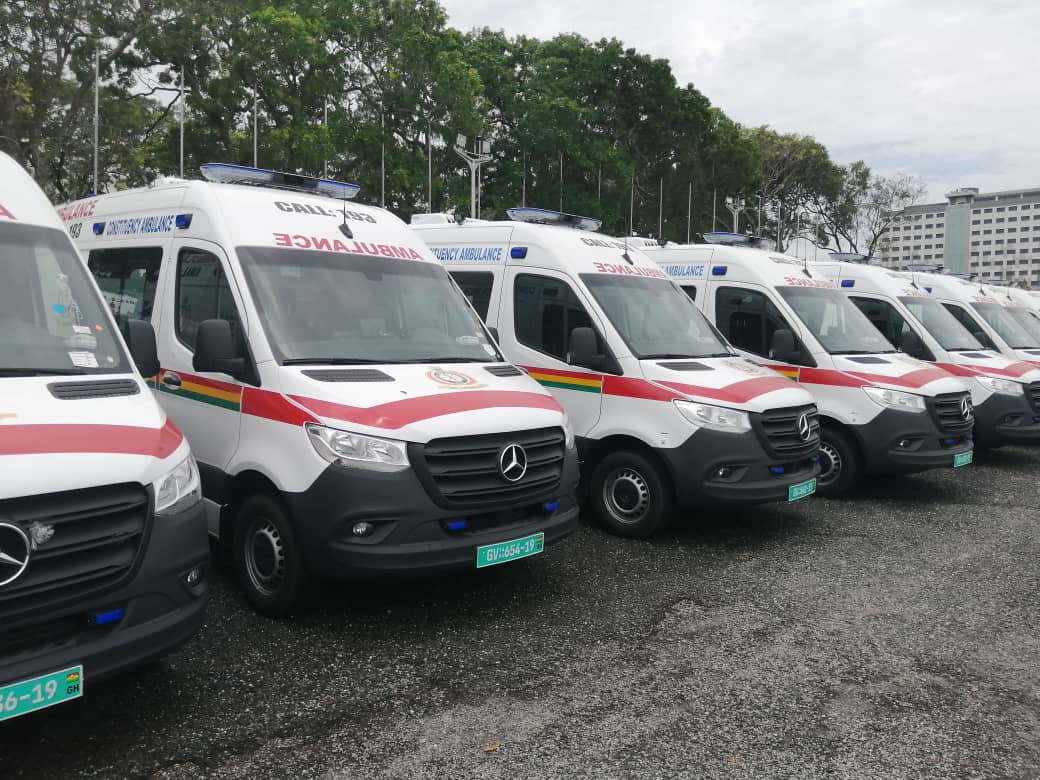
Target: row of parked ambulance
255 359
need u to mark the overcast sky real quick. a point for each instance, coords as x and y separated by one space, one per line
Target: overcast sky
943 89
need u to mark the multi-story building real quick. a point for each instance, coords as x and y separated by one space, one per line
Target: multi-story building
992 235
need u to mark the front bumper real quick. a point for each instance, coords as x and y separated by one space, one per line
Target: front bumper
907 442
1006 419
160 611
411 534
747 476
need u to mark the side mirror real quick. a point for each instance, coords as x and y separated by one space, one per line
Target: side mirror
582 349
910 343
215 349
494 334
140 338
781 346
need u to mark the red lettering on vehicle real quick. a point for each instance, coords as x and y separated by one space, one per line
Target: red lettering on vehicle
323 243
335 245
5 213
78 210
301 241
282 239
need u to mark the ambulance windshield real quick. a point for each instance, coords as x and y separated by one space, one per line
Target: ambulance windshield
1027 320
52 320
655 318
1000 319
339 308
835 321
944 327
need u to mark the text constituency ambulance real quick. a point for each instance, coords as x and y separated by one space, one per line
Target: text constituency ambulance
664 411
103 547
350 415
881 411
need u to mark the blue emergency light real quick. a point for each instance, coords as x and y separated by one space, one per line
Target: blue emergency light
548 217
551 506
104 618
718 270
99 228
183 221
848 282
225 173
457 525
518 252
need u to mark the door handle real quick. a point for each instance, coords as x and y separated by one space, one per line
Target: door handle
171 380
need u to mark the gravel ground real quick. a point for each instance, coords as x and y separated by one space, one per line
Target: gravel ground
891 634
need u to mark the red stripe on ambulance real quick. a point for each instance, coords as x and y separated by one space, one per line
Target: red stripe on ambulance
737 393
67 439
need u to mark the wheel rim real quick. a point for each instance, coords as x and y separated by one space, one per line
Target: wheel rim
626 495
265 557
830 463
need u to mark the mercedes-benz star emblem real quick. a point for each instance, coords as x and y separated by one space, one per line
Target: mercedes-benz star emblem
512 462
14 553
804 427
966 408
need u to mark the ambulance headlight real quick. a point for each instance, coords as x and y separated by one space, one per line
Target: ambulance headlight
568 432
357 450
179 489
717 418
895 399
1002 386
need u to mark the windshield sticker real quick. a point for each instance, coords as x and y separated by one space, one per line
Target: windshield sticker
489 349
454 380
799 282
335 245
471 254
83 359
629 270
136 225
321 211
78 210
5 213
685 271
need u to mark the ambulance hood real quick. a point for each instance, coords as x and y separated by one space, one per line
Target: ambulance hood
418 403
50 444
897 371
731 381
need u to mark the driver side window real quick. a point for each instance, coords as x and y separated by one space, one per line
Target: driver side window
545 311
203 293
748 319
884 317
965 319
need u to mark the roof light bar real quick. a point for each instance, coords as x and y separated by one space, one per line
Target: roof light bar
225 173
548 217
739 239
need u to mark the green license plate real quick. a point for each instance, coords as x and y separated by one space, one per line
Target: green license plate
28 696
801 490
963 459
503 552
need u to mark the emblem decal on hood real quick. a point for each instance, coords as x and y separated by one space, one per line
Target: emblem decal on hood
454 380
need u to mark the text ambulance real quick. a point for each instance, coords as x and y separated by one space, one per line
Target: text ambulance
979 308
1005 392
350 416
881 411
103 547
665 412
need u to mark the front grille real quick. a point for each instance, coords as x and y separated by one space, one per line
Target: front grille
98 535
948 411
1034 395
781 431
464 471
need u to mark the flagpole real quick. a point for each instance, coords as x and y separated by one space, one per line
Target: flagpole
97 114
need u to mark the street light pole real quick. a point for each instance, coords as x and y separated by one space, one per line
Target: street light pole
474 160
735 206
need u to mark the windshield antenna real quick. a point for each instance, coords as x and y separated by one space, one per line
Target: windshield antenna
345 228
625 255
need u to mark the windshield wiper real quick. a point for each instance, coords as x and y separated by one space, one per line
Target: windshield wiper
41 371
450 359
331 361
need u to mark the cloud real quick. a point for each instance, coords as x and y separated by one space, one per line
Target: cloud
940 89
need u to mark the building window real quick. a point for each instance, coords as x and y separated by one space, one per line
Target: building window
1012 219
1012 208
974 243
987 211
987 242
974 254
1000 209
999 220
976 211
987 222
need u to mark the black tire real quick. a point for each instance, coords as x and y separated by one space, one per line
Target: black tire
630 495
268 557
840 463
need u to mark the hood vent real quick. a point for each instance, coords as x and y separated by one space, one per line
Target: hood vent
103 388
686 366
506 370
349 375
869 360
976 355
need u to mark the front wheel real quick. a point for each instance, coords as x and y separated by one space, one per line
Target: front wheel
268 557
840 463
630 495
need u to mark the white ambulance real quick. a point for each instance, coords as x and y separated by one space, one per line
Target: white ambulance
882 412
1022 307
665 413
1005 392
979 308
103 547
350 415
